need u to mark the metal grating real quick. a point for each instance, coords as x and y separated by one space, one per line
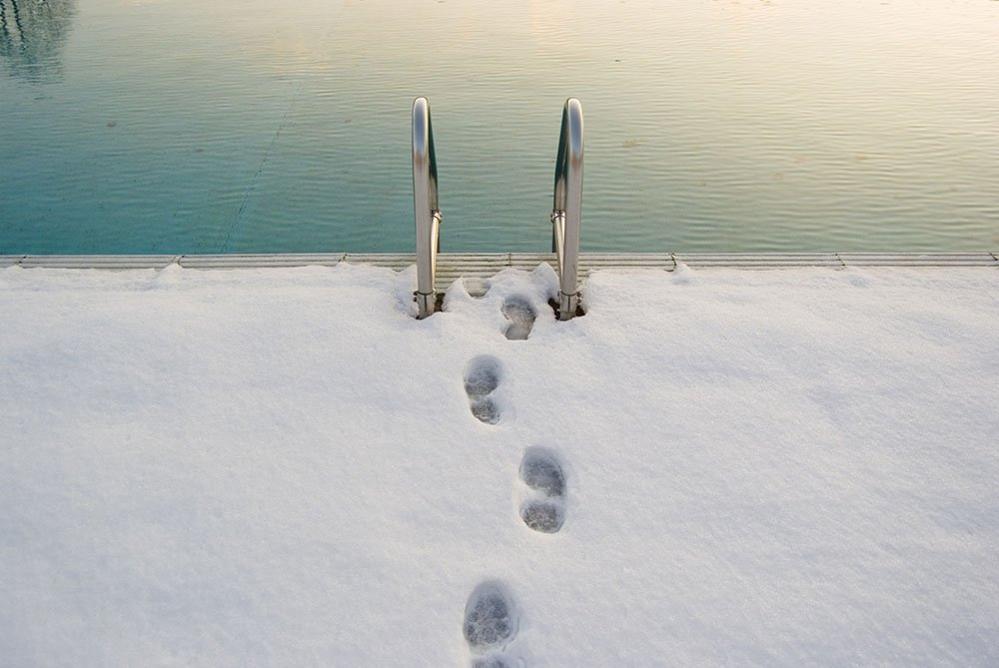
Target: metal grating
481 266
396 261
594 261
10 260
918 259
260 260
98 261
759 260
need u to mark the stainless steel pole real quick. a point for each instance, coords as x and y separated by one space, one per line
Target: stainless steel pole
568 206
426 208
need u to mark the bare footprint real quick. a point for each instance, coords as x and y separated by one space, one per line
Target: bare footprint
482 377
521 315
544 508
491 622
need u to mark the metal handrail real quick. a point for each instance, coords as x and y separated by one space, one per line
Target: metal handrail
568 206
426 208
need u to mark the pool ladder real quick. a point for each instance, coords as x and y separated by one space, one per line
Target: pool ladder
566 213
427 208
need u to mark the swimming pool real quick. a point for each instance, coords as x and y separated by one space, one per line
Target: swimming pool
183 126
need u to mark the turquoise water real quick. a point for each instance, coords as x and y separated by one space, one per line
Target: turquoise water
241 125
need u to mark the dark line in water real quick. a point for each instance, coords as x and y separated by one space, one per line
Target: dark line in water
256 176
17 24
10 32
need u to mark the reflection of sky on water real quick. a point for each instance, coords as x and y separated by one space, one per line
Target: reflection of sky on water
740 125
32 36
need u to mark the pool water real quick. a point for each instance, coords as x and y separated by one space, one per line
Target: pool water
186 126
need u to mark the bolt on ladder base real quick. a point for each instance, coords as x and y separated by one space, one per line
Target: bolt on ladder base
426 304
568 306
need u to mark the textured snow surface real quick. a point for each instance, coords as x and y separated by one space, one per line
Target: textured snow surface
281 467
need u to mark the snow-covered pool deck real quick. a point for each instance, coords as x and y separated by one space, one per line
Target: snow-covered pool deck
279 466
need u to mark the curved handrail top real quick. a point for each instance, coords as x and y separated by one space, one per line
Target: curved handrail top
573 112
424 154
569 158
421 123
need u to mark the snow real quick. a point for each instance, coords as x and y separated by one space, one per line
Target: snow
281 467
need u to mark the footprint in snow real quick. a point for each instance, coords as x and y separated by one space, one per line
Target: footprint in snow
490 624
482 377
544 508
521 315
